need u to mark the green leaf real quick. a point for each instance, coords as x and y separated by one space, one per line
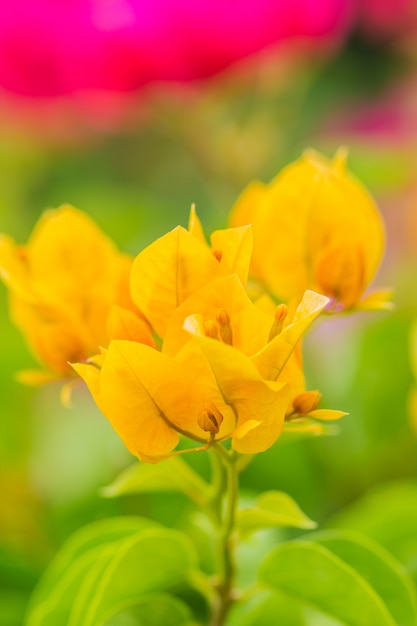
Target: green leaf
172 474
12 607
153 560
312 574
56 602
273 509
267 609
154 610
313 617
95 582
387 514
53 597
378 568
79 594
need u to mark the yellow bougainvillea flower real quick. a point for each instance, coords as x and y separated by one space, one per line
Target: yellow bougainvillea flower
226 313
176 265
68 291
271 342
315 227
218 376
151 399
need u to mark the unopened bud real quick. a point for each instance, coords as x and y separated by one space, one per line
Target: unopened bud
225 329
281 313
210 419
306 402
211 329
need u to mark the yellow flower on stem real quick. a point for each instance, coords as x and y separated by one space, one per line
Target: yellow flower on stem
152 399
315 227
217 377
68 292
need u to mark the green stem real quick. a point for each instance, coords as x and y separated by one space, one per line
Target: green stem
225 499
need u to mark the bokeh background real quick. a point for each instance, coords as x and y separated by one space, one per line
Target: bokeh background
134 110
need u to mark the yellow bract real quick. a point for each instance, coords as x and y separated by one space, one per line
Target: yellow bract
151 399
315 227
63 285
175 266
217 377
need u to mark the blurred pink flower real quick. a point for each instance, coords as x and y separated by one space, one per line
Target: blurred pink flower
387 19
55 47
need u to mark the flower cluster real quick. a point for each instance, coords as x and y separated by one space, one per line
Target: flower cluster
170 343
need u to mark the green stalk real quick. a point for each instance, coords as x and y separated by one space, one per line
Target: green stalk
224 506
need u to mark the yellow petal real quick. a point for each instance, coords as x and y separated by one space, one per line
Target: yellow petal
345 214
326 414
271 360
63 271
266 304
251 398
245 428
246 212
167 272
304 426
130 378
194 226
293 375
35 378
340 272
14 269
52 340
267 403
125 324
235 246
90 373
245 209
376 300
198 390
149 398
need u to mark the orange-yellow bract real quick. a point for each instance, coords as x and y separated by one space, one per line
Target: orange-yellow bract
218 374
68 291
315 227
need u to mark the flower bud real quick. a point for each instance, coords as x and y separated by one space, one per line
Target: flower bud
306 402
211 329
225 329
210 419
315 227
